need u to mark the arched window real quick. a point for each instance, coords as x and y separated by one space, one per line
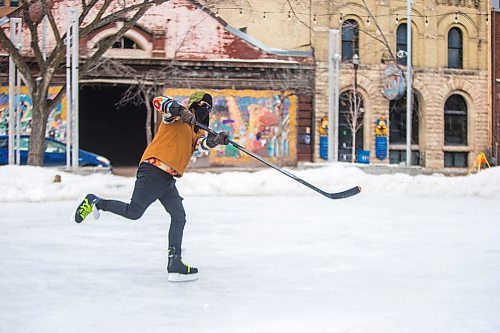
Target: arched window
402 43
397 130
122 43
125 43
350 38
455 52
350 120
455 121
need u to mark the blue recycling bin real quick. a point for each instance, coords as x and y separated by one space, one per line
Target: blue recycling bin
364 156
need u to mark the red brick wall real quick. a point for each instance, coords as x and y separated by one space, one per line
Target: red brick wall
304 128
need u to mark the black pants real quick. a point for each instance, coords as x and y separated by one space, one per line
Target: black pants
152 184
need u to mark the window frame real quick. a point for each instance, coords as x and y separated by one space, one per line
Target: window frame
452 120
454 163
458 49
398 107
402 44
350 44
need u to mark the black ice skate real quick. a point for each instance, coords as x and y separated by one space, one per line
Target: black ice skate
179 271
85 206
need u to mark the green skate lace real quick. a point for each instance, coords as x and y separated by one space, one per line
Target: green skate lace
85 209
187 265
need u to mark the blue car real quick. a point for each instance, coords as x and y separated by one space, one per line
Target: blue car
55 154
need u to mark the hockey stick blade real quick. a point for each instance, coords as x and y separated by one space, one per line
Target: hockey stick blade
336 195
344 194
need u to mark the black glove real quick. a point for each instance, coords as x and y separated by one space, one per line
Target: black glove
220 139
187 116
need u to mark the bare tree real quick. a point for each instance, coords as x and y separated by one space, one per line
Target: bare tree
38 73
353 102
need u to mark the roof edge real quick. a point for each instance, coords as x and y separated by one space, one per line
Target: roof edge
261 45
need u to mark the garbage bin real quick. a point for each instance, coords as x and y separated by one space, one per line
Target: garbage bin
364 156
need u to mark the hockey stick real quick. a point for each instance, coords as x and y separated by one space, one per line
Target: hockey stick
336 195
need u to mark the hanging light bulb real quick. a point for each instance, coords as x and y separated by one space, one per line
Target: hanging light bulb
264 15
314 19
289 15
426 21
241 11
487 18
368 20
456 17
217 12
397 18
341 18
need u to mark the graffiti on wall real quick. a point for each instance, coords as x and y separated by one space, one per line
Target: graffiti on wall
56 124
258 120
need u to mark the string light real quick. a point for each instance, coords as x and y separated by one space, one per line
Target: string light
368 18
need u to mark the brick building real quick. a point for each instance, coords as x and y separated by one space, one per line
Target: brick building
263 95
451 74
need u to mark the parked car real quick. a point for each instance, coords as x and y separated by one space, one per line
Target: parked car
54 155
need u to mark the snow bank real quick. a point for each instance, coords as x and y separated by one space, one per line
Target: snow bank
28 183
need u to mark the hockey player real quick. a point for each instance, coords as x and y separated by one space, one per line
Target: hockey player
163 160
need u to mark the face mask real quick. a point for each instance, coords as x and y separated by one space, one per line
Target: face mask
201 113
202 116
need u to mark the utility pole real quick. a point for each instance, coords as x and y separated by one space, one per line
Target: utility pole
334 87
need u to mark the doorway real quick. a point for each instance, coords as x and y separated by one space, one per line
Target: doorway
116 132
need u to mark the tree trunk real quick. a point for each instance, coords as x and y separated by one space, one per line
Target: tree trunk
353 157
38 128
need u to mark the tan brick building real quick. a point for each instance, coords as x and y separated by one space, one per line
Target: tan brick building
451 78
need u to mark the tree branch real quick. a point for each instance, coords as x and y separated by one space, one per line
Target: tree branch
19 60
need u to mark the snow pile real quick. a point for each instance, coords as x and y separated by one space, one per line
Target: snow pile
37 184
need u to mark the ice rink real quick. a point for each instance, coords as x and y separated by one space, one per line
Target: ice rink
267 264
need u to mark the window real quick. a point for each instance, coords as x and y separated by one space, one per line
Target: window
125 43
345 129
455 121
456 159
54 147
2 3
350 33
399 156
397 121
122 43
455 54
14 3
402 43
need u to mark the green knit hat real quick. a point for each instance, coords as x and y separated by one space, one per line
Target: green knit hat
199 96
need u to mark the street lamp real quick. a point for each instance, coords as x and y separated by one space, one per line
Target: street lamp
355 62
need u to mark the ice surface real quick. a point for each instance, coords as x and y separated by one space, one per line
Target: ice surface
409 254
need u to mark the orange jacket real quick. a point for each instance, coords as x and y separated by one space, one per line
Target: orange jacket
174 145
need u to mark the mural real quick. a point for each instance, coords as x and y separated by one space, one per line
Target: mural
56 124
253 120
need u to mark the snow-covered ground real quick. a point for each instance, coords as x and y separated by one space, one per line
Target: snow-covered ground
408 254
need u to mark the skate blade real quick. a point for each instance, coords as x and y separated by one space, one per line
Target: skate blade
178 277
96 214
